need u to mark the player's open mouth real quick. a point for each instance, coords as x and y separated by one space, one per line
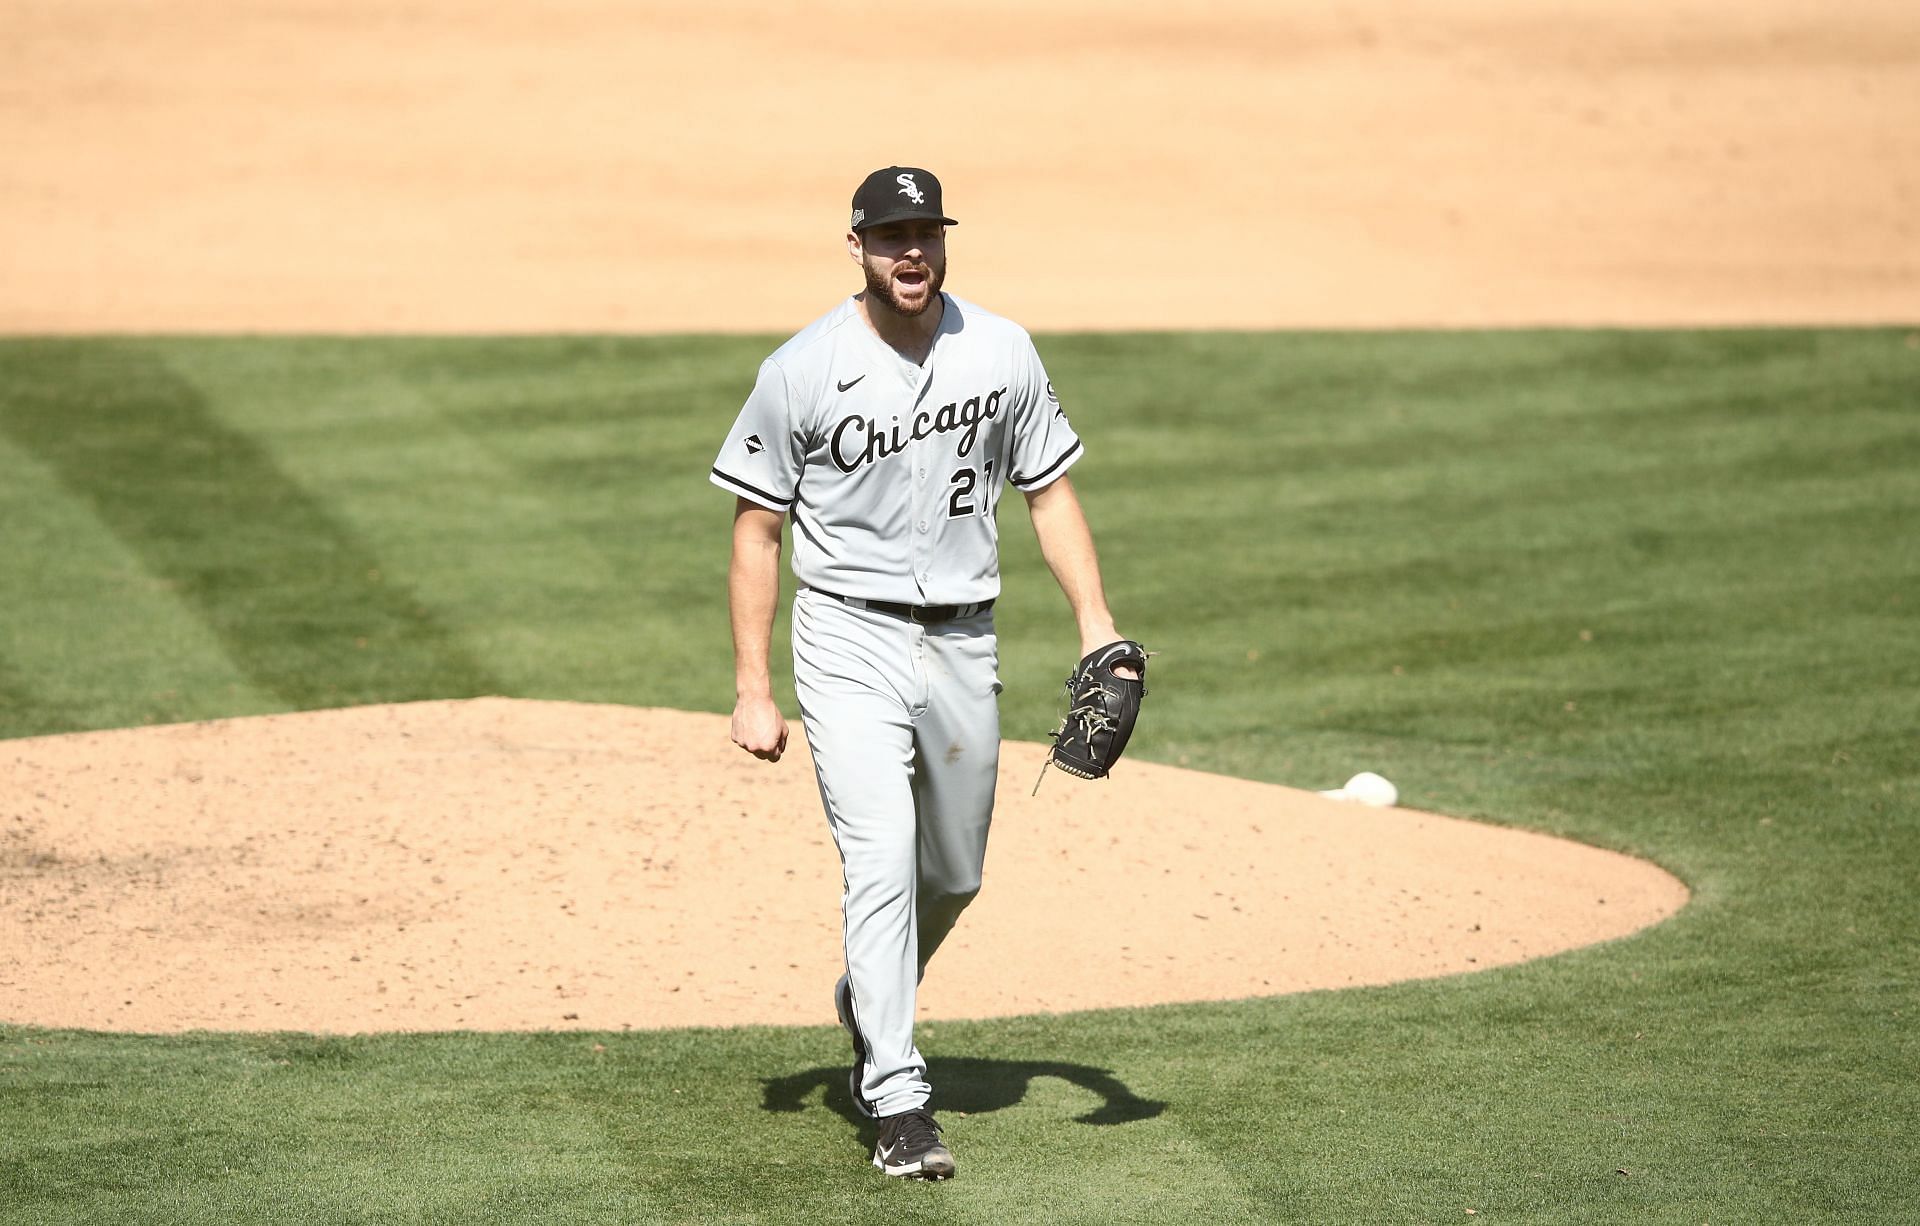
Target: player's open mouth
911 277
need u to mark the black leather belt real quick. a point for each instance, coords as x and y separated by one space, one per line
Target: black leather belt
925 614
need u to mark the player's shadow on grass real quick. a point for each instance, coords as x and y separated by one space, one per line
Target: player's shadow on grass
970 1086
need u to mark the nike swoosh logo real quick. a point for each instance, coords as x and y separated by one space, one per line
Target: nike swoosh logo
849 383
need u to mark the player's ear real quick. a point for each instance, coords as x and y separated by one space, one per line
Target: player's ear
854 247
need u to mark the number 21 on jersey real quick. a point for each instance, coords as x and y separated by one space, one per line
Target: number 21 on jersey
964 482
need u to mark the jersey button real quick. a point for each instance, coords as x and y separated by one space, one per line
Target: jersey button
923 525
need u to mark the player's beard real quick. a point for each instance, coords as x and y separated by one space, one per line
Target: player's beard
880 288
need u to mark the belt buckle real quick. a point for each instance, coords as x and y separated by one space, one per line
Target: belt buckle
914 613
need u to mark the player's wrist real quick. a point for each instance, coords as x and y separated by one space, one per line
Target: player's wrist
1097 632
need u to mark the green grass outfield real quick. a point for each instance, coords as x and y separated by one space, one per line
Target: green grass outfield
1656 591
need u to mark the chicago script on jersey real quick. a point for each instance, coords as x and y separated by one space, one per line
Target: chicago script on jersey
849 451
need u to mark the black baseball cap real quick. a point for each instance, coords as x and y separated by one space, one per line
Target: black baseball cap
898 193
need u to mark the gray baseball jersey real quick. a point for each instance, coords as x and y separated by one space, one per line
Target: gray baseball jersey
892 470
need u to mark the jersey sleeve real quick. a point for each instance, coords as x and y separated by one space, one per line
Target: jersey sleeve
760 460
1044 444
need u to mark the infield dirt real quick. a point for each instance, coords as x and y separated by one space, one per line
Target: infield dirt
262 165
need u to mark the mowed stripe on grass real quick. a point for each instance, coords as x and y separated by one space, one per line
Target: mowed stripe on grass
1652 590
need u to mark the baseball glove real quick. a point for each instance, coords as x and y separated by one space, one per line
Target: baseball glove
1102 707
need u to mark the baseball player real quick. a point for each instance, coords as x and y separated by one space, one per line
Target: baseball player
886 430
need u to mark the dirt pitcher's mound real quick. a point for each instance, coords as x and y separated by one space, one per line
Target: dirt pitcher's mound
506 865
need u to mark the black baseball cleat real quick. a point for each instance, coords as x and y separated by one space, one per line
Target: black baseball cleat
843 1008
910 1146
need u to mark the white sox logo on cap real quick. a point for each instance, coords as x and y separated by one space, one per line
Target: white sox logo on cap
910 189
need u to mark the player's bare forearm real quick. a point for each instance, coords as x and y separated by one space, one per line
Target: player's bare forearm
1066 542
753 587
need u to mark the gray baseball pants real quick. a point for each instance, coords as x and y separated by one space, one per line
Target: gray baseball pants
904 723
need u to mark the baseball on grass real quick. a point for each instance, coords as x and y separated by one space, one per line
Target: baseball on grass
1367 788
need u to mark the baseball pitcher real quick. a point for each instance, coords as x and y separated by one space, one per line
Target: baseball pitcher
886 431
